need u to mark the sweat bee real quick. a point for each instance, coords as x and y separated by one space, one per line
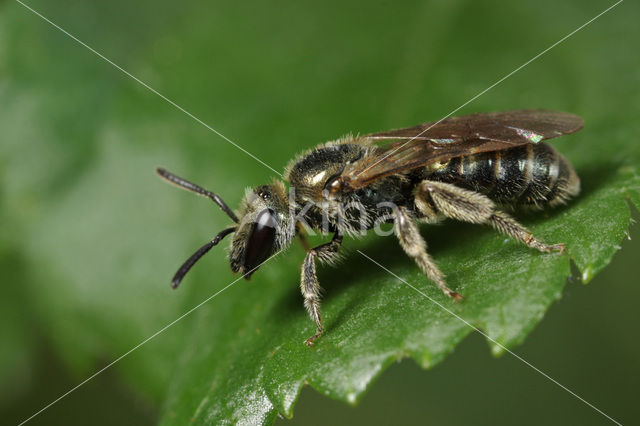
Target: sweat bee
470 168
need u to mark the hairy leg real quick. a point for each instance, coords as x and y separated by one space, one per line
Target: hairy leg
309 284
468 206
414 245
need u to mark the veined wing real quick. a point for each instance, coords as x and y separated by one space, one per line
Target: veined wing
417 146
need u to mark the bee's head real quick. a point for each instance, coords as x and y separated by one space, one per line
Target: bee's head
263 228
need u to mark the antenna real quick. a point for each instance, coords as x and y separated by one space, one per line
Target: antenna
186 266
190 186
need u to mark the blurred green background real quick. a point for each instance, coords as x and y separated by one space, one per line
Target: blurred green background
89 235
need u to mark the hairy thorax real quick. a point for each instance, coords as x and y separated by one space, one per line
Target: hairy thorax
311 172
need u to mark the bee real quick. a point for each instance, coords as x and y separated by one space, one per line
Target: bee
471 168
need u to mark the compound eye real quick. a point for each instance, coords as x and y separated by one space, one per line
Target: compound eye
261 240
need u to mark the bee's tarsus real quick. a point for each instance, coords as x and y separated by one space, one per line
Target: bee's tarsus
311 340
457 297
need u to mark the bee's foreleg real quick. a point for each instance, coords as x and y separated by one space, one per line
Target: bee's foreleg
414 245
309 284
468 206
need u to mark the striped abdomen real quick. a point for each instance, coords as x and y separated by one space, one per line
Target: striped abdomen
533 175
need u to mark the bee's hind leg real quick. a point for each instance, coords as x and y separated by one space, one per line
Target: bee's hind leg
414 245
309 284
468 206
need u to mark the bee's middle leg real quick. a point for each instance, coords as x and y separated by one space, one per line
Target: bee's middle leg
468 206
309 284
414 245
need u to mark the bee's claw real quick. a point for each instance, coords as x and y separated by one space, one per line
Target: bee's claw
559 248
310 341
457 297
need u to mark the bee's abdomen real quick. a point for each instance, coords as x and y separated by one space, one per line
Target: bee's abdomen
533 175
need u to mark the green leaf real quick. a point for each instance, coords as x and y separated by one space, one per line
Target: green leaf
97 235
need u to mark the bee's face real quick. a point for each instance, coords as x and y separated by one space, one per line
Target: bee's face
263 228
